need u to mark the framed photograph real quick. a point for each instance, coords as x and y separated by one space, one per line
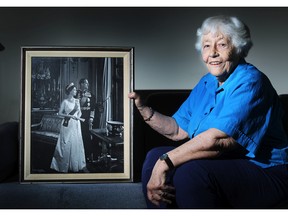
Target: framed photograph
76 118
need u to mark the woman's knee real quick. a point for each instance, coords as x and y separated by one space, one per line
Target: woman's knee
191 175
194 186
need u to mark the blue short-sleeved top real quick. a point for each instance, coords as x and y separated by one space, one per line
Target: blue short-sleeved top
246 107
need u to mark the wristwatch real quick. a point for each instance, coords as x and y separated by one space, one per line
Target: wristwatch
166 158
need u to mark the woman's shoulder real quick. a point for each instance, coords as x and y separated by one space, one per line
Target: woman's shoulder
251 74
207 78
65 101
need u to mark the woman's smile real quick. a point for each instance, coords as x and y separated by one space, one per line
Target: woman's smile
218 55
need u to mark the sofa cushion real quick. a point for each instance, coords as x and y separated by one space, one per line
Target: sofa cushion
51 123
49 128
8 150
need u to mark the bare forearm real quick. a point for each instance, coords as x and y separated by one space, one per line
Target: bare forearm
209 144
163 124
64 115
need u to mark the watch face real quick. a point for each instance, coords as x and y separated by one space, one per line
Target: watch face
163 157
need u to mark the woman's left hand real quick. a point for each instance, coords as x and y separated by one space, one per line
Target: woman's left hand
74 117
157 189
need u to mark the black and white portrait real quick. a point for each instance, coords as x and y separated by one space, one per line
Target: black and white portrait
77 113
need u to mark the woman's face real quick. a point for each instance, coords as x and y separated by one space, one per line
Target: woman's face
219 56
73 91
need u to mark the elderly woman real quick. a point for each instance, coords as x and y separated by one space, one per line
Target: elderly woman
236 155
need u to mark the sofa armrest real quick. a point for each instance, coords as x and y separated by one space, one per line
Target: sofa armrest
9 159
36 126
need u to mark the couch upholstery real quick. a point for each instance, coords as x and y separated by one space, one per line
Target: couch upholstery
92 196
8 150
15 195
44 135
48 129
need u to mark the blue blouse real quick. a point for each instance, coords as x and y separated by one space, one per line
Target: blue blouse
246 107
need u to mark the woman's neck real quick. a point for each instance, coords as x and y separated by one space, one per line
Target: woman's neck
70 98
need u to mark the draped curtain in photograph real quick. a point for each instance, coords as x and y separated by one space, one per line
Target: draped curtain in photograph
106 94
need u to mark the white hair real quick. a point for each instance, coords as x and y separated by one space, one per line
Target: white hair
231 27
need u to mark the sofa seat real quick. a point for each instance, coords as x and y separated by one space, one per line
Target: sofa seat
48 129
71 196
90 196
44 136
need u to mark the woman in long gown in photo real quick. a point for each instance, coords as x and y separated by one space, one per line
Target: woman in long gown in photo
69 153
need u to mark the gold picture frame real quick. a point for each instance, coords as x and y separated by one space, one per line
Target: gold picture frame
46 73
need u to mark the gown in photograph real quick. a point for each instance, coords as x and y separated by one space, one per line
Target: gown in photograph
69 153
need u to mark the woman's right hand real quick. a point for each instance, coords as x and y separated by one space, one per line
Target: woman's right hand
73 117
157 190
137 99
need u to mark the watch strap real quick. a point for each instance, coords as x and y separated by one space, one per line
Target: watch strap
166 158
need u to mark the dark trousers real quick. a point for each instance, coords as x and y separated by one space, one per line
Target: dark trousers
86 135
221 183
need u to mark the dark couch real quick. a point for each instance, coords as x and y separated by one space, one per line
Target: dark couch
90 196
